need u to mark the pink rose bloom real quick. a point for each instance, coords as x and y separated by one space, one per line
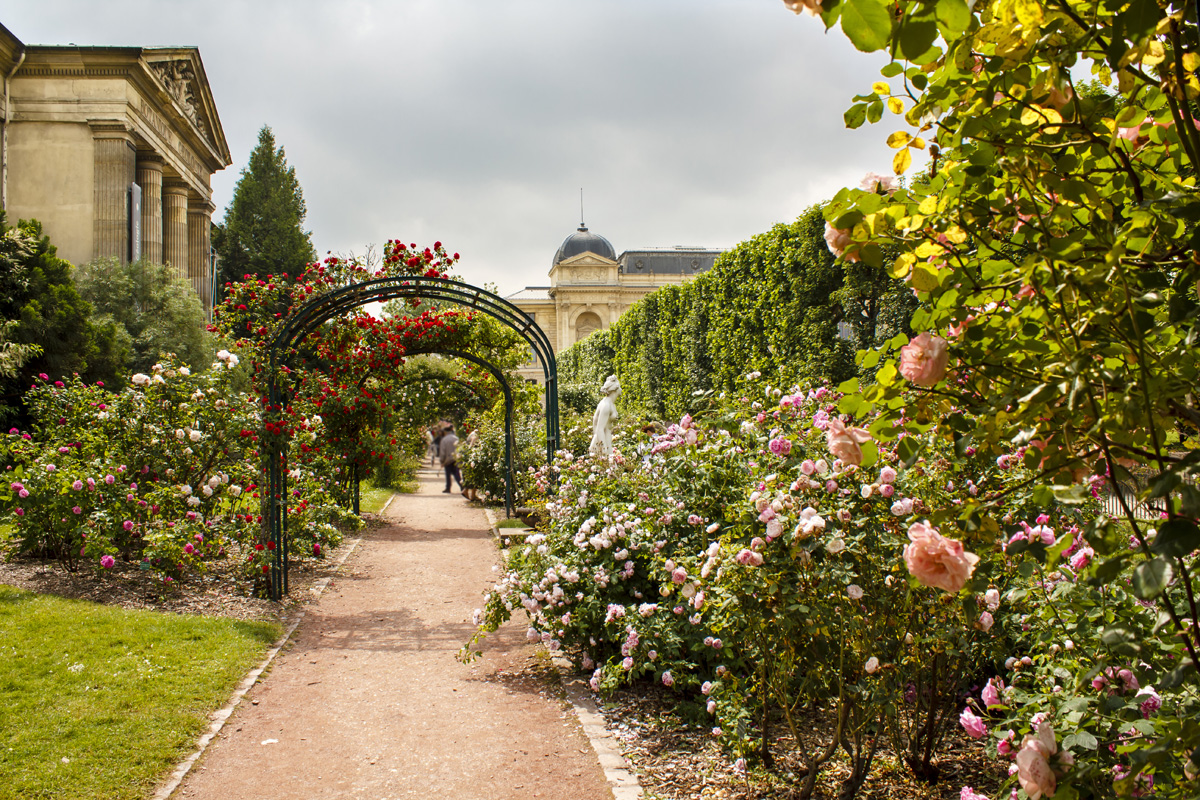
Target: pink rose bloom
986 621
1033 763
935 560
316 549
128 524
749 558
972 724
808 467
873 182
1081 558
77 485
967 793
187 548
887 475
627 663
668 679
923 360
991 692
107 562
844 442
813 7
838 240
887 490
679 575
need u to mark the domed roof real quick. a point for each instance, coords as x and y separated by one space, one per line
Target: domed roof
583 241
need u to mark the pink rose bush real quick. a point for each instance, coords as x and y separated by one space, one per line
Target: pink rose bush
126 489
648 557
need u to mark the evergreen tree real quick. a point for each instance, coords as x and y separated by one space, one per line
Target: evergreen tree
262 233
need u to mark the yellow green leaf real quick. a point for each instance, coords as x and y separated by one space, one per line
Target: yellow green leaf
880 88
929 250
902 265
1155 54
956 235
928 205
923 278
1029 13
902 161
895 105
918 143
898 139
1191 61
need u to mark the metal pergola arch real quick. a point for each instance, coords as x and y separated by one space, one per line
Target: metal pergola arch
298 325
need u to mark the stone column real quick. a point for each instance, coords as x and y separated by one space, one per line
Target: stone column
150 178
115 166
199 263
175 226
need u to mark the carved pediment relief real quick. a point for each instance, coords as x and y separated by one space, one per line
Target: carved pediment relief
585 268
178 77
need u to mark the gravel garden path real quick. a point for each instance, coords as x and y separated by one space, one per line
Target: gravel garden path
369 701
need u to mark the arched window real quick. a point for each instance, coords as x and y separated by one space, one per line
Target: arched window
585 324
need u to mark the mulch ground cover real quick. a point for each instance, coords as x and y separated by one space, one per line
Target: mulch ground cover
678 760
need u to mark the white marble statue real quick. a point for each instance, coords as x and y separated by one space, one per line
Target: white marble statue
603 419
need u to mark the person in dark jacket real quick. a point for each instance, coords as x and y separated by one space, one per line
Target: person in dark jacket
448 455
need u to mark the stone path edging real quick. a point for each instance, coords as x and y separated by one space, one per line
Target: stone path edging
621 779
219 718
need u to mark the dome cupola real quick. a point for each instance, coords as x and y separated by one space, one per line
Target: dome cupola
584 241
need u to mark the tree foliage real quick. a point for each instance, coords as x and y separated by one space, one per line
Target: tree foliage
1052 244
263 230
38 293
159 311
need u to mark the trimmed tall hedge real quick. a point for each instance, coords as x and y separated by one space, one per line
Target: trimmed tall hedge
771 304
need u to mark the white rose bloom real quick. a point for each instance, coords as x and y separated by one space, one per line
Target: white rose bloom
872 665
214 482
207 491
195 436
235 490
157 379
186 489
855 591
184 371
222 354
835 546
141 379
232 362
179 434
193 501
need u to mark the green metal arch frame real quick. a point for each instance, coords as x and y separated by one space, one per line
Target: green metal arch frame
298 325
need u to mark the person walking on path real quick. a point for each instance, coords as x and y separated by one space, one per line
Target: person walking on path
448 454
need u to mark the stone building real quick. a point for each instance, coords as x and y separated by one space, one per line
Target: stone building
591 286
112 149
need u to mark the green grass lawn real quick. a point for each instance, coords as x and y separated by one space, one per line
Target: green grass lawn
99 702
372 499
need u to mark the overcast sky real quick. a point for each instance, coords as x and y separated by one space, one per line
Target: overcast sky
476 122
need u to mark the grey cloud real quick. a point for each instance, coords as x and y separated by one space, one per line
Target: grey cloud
687 121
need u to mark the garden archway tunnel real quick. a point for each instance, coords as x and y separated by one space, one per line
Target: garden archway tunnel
298 325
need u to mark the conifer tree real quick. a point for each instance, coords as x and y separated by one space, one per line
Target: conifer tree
262 233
